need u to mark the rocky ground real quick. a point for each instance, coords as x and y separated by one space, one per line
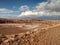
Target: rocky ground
42 33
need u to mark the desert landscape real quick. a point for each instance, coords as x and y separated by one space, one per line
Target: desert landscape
29 22
29 32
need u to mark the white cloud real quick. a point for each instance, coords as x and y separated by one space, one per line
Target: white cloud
28 13
24 8
42 9
53 6
11 16
3 10
7 13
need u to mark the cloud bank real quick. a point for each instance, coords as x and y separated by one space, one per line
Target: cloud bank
7 13
49 8
3 10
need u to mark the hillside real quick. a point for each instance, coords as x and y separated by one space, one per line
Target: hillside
50 36
29 32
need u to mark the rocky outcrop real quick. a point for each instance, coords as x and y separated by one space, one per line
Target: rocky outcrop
50 36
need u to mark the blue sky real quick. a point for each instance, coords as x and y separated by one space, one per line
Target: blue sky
21 8
15 4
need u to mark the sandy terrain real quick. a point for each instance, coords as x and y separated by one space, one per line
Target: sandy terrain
19 28
30 33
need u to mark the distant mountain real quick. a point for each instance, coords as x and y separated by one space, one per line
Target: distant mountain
40 17
35 17
49 17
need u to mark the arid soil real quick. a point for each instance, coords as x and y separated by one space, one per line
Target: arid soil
30 32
